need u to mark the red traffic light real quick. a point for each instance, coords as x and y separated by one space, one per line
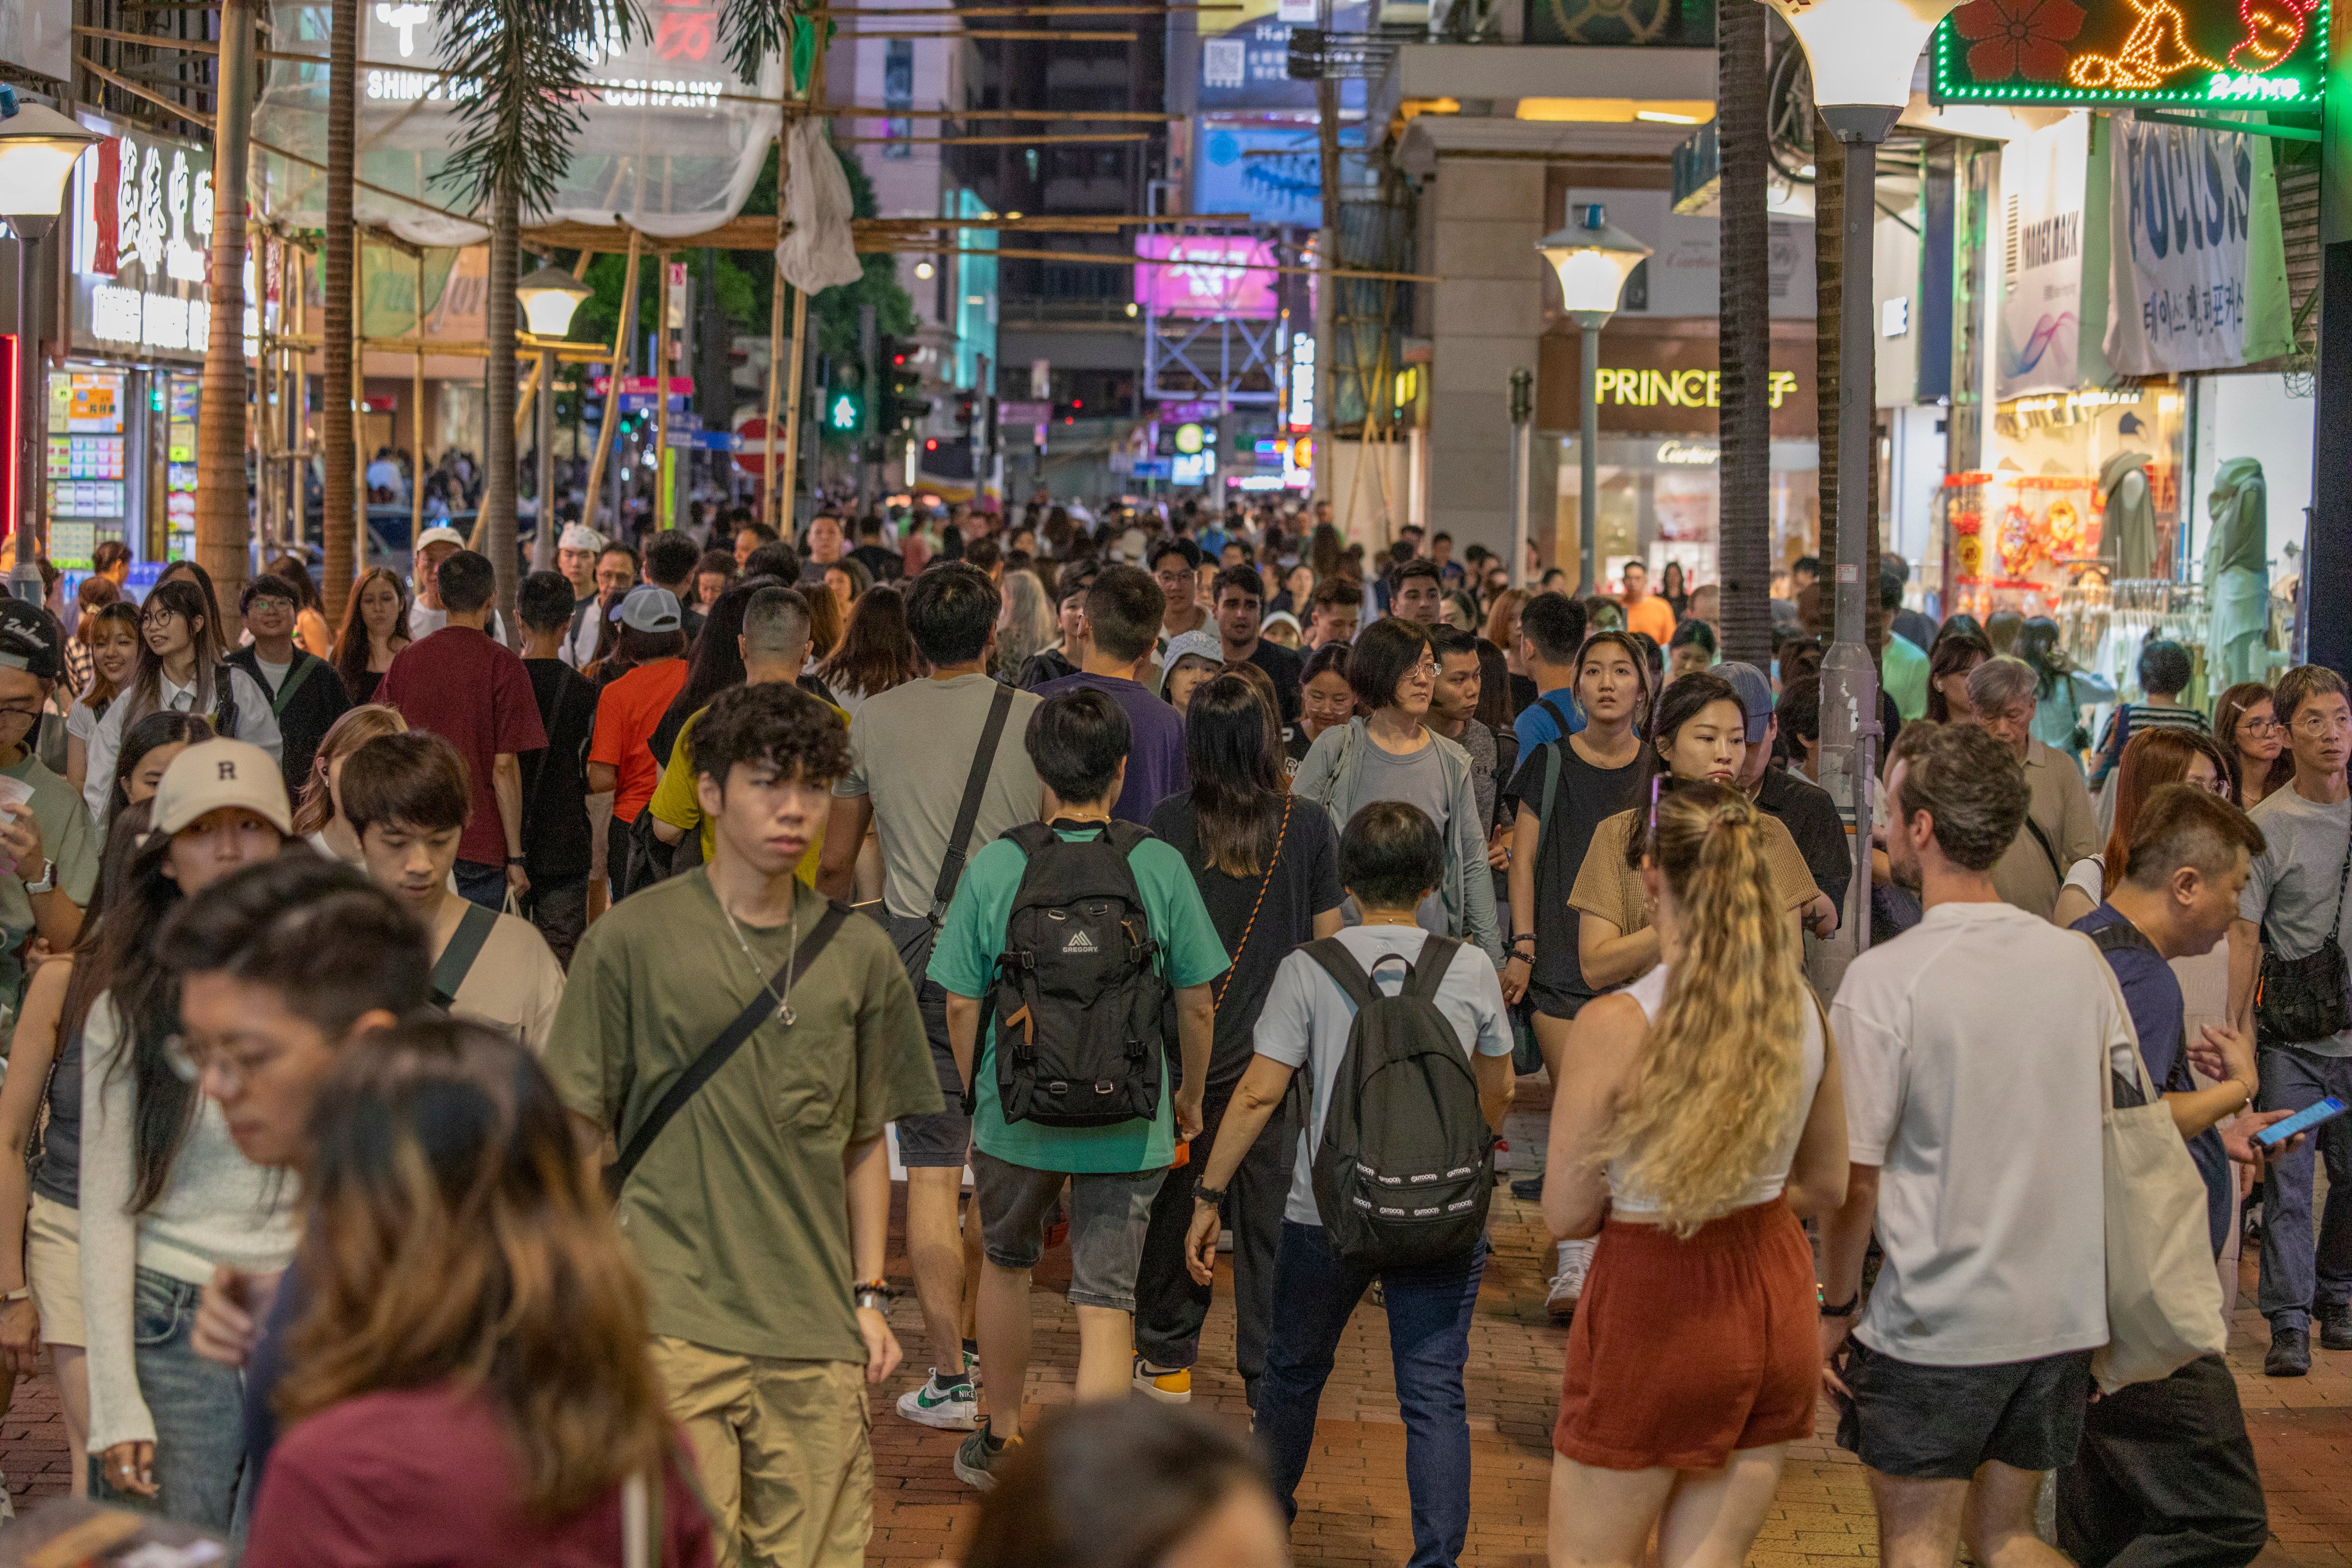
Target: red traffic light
931 445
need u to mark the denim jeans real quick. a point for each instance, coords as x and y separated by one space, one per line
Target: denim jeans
1429 1339
482 884
2295 1272
198 1409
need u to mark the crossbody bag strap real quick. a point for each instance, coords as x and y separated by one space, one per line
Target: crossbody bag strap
456 961
720 1051
546 757
2342 877
303 664
975 787
1226 979
1558 718
1555 764
2050 851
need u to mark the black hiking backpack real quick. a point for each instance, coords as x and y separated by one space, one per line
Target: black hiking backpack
1082 1013
1406 1165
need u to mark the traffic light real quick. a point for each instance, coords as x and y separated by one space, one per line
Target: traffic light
903 406
843 411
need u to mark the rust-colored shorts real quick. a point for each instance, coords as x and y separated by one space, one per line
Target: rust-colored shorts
1686 1351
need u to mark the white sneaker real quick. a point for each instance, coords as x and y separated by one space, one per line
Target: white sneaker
1567 1285
950 1407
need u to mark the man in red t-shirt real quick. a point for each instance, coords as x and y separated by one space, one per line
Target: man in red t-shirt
474 693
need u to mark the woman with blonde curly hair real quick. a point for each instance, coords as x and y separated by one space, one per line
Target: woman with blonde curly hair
1700 1119
468 1381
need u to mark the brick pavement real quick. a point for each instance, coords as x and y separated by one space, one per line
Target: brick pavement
1353 1508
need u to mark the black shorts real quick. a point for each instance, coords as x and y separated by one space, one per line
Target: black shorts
938 1138
1553 1002
1941 1423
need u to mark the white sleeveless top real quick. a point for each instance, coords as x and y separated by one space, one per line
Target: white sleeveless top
1650 991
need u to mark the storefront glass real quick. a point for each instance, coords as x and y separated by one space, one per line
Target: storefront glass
1660 501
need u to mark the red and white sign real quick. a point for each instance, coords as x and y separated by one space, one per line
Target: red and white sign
752 456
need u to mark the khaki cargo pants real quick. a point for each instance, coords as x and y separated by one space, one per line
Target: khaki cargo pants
782 1450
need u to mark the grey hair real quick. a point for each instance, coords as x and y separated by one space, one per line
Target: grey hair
1998 683
775 622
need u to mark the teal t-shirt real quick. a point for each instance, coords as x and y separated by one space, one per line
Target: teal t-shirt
964 962
1904 668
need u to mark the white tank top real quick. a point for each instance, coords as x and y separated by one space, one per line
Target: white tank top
1650 991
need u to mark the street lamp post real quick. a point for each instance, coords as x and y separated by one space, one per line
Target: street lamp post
1593 258
549 297
38 149
1861 55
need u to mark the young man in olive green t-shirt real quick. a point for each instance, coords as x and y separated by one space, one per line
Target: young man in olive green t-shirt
759 1215
1079 741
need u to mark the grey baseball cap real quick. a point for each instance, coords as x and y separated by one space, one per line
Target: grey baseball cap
1754 696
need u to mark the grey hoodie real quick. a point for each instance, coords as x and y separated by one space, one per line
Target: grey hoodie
1331 776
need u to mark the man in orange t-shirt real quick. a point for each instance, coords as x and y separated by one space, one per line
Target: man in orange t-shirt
619 753
1645 612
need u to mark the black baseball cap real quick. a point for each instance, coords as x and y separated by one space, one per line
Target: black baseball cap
30 640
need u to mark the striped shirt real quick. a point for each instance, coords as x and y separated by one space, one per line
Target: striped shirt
2136 716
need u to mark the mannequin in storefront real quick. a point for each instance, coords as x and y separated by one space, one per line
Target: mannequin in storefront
2237 576
2128 536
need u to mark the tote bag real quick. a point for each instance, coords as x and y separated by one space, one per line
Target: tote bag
2164 1300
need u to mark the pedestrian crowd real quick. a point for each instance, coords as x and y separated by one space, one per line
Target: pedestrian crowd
458 1072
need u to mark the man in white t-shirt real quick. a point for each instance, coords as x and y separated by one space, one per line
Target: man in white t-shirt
1972 1046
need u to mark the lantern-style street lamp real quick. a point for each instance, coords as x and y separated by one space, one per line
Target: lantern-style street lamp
38 149
1862 55
549 297
1593 258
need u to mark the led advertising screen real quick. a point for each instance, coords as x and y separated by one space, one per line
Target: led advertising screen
1207 275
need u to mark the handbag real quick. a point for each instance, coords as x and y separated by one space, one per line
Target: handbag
2164 1299
2307 998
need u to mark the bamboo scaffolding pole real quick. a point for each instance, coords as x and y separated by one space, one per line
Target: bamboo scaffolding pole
612 419
661 395
775 370
417 406
786 490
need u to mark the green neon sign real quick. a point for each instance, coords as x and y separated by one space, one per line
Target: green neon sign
2210 54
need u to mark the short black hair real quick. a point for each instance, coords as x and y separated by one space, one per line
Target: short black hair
321 934
1386 652
1694 630
1446 639
984 553
1892 578
774 558
1124 606
1412 567
1635 565
670 559
618 547
950 610
1175 544
2179 824
776 725
544 602
467 581
1241 580
759 530
1077 740
1799 712
1554 623
266 587
2164 668
1806 564
414 779
1391 854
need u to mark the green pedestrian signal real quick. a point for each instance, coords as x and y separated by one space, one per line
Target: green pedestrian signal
844 412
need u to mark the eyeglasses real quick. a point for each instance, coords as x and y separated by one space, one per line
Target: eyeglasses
2259 726
2319 725
190 1060
10 711
158 618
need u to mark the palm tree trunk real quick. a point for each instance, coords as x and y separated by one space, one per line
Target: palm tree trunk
1744 334
499 458
1828 199
222 524
338 440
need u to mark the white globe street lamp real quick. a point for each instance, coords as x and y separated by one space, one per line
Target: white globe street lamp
549 297
38 150
1862 55
1592 258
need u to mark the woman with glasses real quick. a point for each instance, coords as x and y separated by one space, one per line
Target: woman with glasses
180 670
2152 759
2252 738
1392 754
166 1198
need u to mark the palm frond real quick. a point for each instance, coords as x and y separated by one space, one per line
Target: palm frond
525 65
752 30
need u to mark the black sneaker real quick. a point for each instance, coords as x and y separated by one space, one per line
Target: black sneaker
978 1457
2290 1356
2335 1327
1529 1189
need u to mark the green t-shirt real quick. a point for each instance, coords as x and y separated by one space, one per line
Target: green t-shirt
68 839
1904 668
739 1215
964 962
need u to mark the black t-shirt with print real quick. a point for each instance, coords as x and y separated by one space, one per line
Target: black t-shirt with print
1306 883
1586 797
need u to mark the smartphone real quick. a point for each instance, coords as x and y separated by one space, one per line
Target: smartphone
2303 1120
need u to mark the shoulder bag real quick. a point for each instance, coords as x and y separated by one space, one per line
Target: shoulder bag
720 1051
2164 1300
2300 999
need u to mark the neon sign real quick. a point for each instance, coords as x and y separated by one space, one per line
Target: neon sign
2229 54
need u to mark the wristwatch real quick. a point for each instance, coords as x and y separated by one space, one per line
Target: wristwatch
1213 1196
21 1293
515 859
873 1293
48 882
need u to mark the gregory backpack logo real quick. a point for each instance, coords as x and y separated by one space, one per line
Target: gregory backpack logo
1079 942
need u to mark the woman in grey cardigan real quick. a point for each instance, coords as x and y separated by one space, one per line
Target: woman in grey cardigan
1394 755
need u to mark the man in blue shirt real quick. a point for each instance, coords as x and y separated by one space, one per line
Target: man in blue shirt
2165 1471
1551 635
1123 616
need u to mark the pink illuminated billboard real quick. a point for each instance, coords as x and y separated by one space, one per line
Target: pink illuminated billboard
1206 275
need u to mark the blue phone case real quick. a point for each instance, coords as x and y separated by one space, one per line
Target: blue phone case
2303 1120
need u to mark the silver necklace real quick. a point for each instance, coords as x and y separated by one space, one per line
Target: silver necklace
792 954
